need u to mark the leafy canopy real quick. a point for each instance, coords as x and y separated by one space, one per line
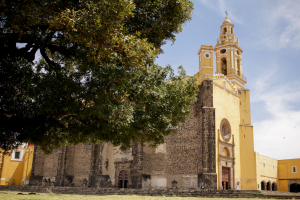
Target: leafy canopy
95 79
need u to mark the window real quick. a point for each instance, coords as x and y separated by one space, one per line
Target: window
264 165
273 167
225 129
17 155
294 169
222 51
207 55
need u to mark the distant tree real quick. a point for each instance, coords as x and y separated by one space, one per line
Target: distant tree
95 79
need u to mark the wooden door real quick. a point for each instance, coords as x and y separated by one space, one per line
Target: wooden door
123 179
226 178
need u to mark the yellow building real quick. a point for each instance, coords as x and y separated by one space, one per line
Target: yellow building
266 173
289 175
214 149
235 159
15 168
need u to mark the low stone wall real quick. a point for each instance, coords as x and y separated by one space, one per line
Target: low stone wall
152 192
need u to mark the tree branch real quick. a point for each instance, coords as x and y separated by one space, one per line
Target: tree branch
66 117
43 53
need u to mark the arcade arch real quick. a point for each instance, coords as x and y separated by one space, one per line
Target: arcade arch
295 187
263 185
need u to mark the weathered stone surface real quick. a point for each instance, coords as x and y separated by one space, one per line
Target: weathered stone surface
154 192
187 157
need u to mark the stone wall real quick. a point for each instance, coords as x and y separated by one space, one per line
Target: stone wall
68 165
136 171
154 192
187 156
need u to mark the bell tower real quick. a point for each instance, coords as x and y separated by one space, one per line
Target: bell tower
229 55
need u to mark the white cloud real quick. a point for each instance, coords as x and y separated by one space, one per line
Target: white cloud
277 137
282 25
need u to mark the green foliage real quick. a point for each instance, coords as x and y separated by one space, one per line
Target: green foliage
96 79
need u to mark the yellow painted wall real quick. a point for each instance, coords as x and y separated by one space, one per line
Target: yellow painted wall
16 170
266 169
206 61
283 186
248 169
236 109
248 164
286 169
227 106
245 116
285 173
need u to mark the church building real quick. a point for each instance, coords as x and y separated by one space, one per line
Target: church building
214 148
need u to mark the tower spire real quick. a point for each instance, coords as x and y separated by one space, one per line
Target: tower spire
229 54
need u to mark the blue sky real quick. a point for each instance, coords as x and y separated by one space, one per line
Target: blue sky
269 34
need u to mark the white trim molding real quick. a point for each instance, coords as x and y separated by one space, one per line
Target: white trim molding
18 152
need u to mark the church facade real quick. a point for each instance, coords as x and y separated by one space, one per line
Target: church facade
214 148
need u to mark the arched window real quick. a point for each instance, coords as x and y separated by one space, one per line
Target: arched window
225 152
238 67
224 66
123 179
224 30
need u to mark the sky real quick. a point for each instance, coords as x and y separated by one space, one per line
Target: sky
269 34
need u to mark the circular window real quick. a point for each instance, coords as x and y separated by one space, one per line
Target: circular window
207 55
222 51
225 130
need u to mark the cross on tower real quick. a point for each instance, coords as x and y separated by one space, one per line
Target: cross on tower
226 13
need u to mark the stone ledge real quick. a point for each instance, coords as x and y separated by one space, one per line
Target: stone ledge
155 192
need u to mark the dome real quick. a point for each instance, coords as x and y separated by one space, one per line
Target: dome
227 20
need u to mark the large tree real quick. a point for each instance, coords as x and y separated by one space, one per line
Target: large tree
95 78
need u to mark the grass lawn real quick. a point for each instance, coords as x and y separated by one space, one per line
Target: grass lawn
15 196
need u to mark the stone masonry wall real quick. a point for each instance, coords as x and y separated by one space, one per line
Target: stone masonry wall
68 165
37 166
154 192
136 171
191 151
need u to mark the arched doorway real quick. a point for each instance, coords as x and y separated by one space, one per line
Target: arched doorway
263 185
274 186
226 178
123 179
295 187
269 185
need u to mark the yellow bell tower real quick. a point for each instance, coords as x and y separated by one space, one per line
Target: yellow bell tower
206 63
229 55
